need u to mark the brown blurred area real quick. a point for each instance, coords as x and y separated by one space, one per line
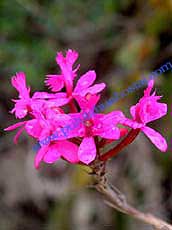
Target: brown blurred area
123 41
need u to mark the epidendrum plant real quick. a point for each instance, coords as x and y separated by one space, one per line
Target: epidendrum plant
79 135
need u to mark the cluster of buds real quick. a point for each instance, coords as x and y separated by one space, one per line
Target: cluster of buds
72 110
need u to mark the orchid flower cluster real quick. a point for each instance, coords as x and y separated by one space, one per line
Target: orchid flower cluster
66 119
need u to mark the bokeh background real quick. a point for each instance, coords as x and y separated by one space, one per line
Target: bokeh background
122 40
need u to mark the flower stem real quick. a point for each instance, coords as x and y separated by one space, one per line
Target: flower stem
117 200
126 141
72 106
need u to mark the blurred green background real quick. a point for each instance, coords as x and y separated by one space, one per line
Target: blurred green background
123 41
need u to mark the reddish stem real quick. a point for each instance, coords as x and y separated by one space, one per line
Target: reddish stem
75 141
72 106
126 141
104 142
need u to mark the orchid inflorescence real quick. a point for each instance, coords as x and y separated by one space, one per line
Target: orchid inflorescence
86 132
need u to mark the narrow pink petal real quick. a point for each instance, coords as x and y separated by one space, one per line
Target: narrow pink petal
66 64
42 95
71 57
68 150
55 99
97 88
52 154
85 81
45 95
19 82
60 95
18 134
60 59
112 117
15 126
157 139
147 91
40 155
55 82
57 102
130 123
133 111
87 150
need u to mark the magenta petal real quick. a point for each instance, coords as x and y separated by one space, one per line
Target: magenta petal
108 132
52 154
71 56
40 155
60 95
15 126
66 64
37 105
87 150
20 108
133 111
85 81
55 82
151 111
75 128
105 125
147 91
88 102
18 134
157 139
33 128
19 82
130 123
97 88
58 102
45 95
60 119
114 117
68 150
42 95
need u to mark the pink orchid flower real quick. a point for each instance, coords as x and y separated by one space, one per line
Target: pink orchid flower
25 104
41 129
43 122
57 82
22 105
93 124
73 136
147 110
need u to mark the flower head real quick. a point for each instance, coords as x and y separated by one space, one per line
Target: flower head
22 104
146 110
57 82
26 104
76 136
92 125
